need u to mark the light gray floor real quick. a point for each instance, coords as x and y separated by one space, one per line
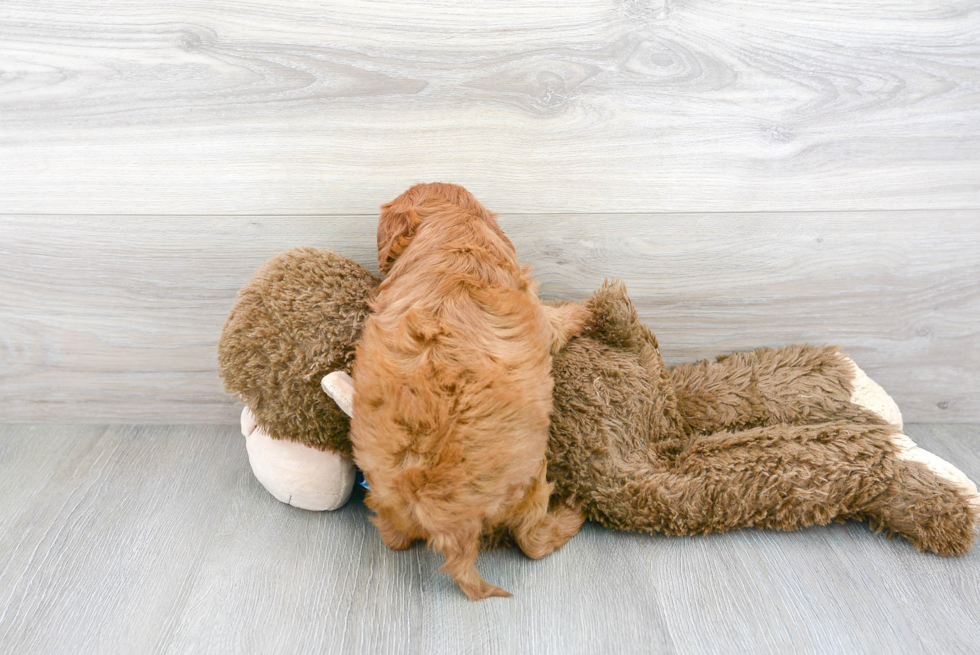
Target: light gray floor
139 539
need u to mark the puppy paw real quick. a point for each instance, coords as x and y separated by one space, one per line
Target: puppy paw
551 533
868 394
392 537
578 319
567 320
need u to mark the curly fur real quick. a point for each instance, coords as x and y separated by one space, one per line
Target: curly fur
306 308
453 386
764 439
767 438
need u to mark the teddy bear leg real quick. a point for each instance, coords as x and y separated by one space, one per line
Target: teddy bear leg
795 385
908 451
787 477
296 474
929 502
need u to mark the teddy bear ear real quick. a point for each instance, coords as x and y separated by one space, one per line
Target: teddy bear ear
339 386
396 227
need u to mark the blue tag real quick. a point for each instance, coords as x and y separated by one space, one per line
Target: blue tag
361 480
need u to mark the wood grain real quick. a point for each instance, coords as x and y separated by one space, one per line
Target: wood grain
117 318
107 547
840 588
158 539
324 107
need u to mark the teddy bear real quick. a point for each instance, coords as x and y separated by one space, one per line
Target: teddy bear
778 438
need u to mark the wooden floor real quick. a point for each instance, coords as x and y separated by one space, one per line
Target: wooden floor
137 539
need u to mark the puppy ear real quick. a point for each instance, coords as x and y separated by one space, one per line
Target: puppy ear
396 227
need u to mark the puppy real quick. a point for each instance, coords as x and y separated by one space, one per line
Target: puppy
452 386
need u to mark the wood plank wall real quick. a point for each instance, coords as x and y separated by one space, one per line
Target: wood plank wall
760 173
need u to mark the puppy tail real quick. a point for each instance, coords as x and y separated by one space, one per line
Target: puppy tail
460 547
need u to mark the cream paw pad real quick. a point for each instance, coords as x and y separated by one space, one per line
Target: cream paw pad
869 394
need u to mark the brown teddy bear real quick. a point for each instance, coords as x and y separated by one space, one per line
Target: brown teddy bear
777 438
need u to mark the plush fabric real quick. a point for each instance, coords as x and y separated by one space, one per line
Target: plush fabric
770 438
295 321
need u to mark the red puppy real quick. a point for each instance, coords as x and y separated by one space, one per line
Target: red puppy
453 386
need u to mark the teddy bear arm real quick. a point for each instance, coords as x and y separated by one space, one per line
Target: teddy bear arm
798 385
